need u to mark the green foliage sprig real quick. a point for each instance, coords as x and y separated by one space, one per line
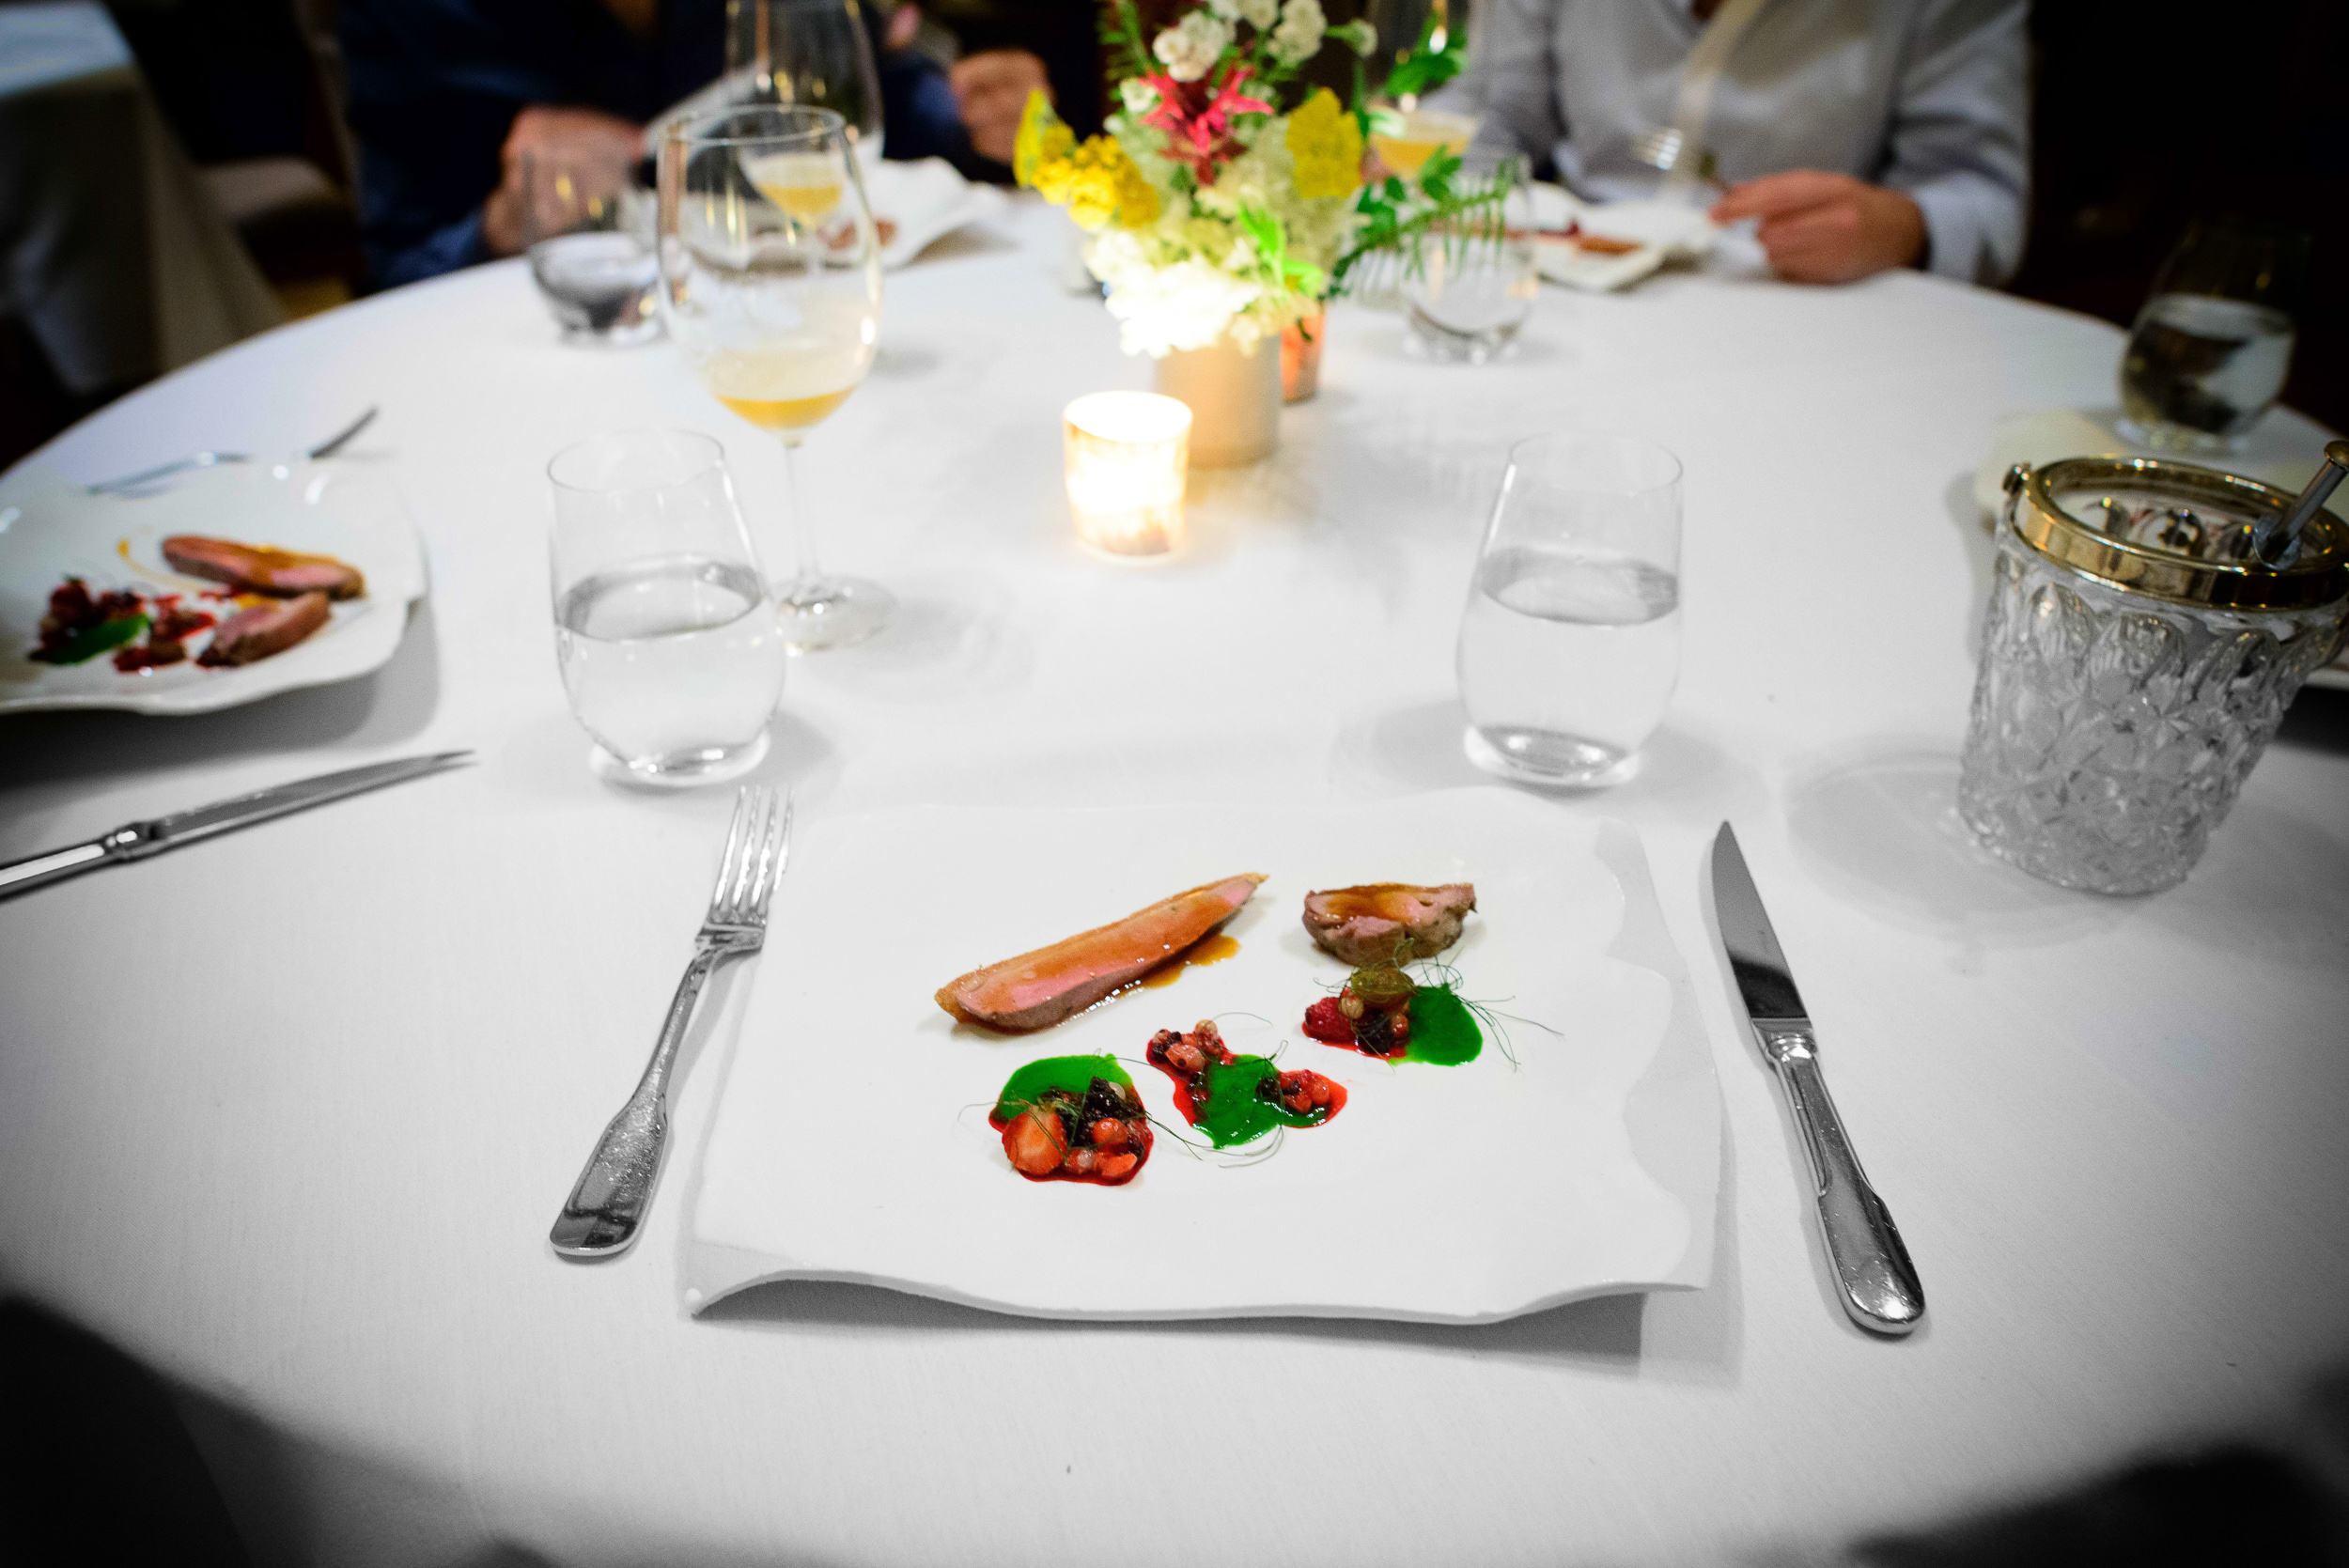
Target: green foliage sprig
1396 216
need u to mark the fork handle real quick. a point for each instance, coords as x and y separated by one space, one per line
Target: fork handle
609 1201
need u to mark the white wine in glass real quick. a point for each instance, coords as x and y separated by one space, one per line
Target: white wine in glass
814 53
770 285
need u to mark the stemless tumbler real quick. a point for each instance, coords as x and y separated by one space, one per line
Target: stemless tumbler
669 644
2211 347
1571 642
588 227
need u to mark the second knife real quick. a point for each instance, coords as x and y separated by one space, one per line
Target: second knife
1877 1283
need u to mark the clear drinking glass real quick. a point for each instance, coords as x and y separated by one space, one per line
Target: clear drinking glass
771 286
1469 290
2211 348
668 640
815 53
1571 642
588 226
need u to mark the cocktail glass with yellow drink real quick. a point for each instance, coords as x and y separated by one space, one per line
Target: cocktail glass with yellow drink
1406 139
770 284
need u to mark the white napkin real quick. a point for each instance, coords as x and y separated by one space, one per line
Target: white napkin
1660 231
921 201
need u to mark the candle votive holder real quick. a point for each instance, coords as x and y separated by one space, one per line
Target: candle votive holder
1126 455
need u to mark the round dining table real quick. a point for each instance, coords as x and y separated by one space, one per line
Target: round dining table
287 1115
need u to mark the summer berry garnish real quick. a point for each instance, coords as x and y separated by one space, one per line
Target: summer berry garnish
1325 1021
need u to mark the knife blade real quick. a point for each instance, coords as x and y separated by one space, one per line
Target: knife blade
1875 1280
135 841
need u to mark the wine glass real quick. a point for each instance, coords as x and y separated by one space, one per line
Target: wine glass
770 285
814 53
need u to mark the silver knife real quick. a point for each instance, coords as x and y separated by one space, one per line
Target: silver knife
1879 1285
135 841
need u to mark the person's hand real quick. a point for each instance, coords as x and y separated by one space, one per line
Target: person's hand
1821 227
991 89
581 138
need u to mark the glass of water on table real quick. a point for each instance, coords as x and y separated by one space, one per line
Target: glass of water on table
2210 350
1571 642
670 648
589 228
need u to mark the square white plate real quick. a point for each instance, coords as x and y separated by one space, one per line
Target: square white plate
115 542
851 1140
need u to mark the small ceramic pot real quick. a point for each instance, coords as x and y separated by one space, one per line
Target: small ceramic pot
1301 359
1234 398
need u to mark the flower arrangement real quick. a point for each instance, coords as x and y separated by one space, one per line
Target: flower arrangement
1213 210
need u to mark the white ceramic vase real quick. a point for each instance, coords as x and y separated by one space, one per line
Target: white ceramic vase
1234 398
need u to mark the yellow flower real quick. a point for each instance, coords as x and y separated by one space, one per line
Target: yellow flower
1327 146
1098 183
1043 139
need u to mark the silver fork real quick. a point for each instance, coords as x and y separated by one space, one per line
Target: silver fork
129 482
1666 148
609 1201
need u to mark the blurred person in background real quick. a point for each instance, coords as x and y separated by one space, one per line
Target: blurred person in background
1863 134
447 97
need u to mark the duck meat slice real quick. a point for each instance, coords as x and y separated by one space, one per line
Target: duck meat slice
1040 988
266 629
261 569
1390 922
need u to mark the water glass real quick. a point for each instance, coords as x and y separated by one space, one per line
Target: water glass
1467 293
2211 348
1571 642
589 228
670 648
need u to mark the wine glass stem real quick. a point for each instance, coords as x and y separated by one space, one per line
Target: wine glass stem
811 571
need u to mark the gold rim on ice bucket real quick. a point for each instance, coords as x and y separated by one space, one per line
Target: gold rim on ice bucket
2317 574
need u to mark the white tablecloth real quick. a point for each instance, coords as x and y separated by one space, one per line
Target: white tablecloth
287 1115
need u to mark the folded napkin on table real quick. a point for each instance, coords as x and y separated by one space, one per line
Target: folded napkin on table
1605 247
920 201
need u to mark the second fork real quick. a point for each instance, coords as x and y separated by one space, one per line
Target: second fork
607 1205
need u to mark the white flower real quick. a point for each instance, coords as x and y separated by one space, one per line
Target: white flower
1298 37
1227 10
1259 14
1190 49
1187 305
1140 96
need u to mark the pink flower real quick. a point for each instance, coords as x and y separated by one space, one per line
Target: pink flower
1197 117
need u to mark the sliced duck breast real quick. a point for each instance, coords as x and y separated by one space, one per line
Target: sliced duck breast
1040 988
266 629
262 570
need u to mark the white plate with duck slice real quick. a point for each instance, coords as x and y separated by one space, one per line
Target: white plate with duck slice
112 542
851 1140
